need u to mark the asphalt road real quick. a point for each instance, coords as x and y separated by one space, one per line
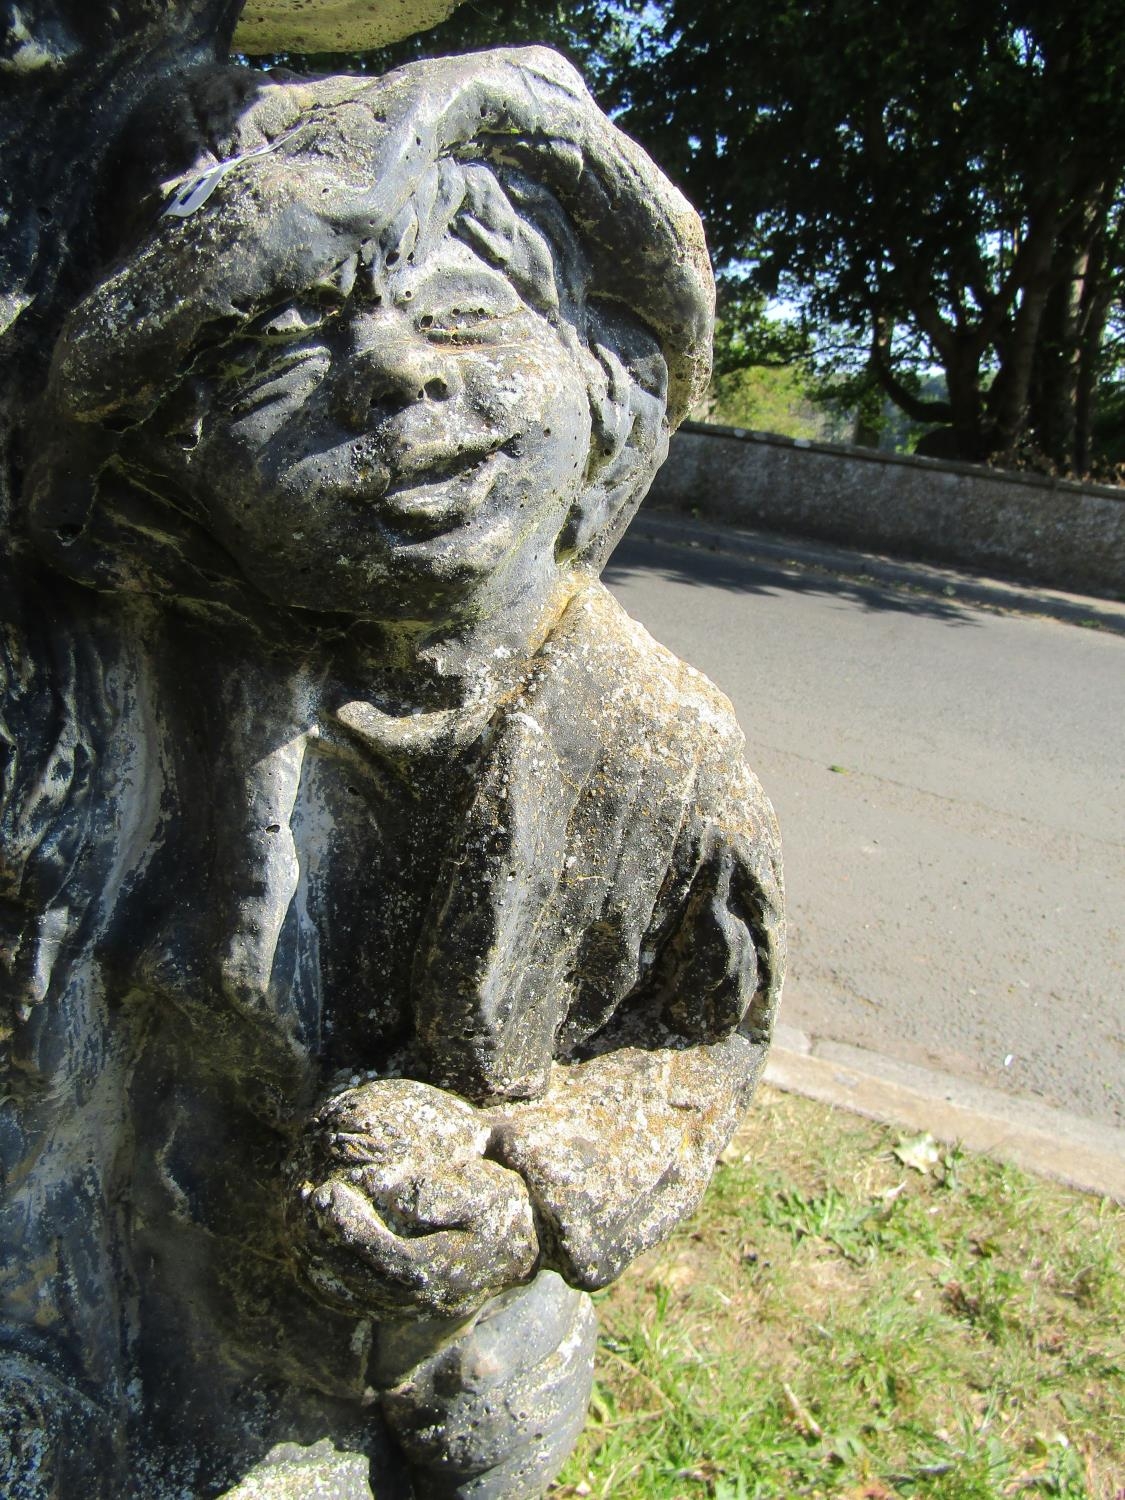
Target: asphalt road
949 781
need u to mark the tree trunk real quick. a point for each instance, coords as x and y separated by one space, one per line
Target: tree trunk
881 371
1053 392
869 409
962 378
1070 337
1089 359
1008 403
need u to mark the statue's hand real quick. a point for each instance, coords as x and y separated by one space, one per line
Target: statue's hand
396 1212
620 1148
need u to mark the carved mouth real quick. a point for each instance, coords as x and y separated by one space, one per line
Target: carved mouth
436 466
425 489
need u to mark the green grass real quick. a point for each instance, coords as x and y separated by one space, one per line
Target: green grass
841 1320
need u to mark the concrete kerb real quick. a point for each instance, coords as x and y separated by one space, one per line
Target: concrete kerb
1049 1142
954 585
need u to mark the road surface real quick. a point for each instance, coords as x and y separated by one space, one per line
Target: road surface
949 781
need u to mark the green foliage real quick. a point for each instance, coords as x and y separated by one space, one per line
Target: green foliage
944 184
766 399
764 375
861 1315
1109 425
747 334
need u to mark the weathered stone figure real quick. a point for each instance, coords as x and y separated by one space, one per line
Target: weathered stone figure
392 928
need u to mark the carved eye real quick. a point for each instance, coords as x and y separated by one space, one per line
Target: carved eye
462 324
277 343
293 320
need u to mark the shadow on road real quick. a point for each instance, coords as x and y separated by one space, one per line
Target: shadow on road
703 568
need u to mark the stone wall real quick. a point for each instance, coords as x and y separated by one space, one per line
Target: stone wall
1049 532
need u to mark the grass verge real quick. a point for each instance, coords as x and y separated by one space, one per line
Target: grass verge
857 1314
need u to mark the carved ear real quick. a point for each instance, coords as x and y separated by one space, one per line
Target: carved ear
628 389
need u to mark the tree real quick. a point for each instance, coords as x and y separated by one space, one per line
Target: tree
944 186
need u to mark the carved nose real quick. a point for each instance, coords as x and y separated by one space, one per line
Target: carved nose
393 373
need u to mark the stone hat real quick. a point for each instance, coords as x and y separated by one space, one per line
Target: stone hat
527 109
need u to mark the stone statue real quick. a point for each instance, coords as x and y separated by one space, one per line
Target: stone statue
391 929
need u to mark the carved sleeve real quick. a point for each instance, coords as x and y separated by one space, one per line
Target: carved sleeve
623 1143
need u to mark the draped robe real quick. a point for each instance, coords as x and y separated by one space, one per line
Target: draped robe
564 906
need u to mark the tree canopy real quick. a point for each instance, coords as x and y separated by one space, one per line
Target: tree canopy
946 184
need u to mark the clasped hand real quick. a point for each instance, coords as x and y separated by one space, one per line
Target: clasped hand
406 1201
397 1210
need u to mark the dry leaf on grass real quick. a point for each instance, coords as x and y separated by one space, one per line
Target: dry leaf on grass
921 1152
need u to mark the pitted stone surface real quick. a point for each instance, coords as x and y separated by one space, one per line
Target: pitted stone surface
599 1208
396 1208
316 1472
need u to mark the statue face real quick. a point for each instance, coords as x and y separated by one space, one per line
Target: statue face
409 450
